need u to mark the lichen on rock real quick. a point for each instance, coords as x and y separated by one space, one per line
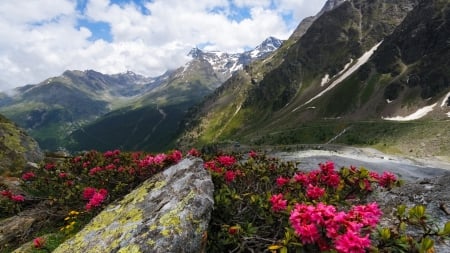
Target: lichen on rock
167 213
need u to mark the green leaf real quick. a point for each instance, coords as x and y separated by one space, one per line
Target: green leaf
362 185
417 212
385 233
426 244
401 209
446 230
345 172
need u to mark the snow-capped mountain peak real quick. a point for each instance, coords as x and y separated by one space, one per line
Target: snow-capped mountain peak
225 64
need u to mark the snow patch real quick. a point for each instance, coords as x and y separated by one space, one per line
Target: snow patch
448 114
389 101
446 98
325 80
255 53
346 73
417 115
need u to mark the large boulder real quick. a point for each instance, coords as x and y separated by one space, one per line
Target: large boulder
168 213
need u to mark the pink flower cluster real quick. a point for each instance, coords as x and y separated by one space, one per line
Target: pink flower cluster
111 154
223 165
387 179
278 202
329 229
325 176
226 161
95 197
27 176
39 242
194 152
16 198
50 166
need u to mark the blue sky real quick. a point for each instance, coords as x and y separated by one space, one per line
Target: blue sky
42 38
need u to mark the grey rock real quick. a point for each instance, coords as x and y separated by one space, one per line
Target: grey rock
433 193
168 213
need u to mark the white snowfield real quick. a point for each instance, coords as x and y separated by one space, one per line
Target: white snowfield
446 98
422 112
359 62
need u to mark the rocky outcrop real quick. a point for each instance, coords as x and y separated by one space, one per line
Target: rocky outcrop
167 213
16 148
433 193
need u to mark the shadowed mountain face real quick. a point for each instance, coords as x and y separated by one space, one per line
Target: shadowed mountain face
359 61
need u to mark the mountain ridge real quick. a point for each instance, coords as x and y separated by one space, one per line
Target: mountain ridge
59 106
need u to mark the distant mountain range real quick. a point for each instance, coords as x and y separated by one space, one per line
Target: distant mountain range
351 74
71 110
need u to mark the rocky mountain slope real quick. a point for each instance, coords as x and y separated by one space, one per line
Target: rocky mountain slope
127 103
356 66
16 149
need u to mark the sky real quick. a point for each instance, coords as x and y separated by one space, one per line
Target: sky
43 38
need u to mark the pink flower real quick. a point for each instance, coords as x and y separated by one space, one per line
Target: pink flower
108 154
351 242
301 178
374 175
6 193
103 192
211 165
314 192
49 166
28 176
194 152
333 180
160 158
387 179
252 154
282 181
62 175
278 203
176 156
96 200
226 160
367 215
95 170
17 198
39 242
110 166
230 176
309 234
88 192
327 167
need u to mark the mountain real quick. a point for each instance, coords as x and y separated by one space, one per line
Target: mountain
55 107
83 109
224 64
356 66
307 22
152 122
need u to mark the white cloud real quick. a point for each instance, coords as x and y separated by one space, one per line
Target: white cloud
40 38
